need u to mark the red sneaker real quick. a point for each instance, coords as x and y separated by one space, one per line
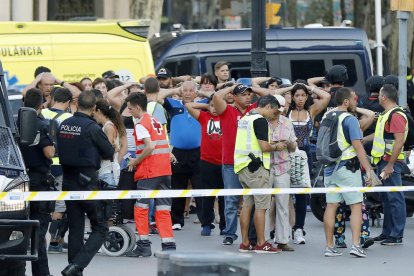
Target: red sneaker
246 248
266 248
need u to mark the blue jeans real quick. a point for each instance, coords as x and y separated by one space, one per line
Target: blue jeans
231 203
393 203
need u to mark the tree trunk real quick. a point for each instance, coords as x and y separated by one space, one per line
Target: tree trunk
148 9
292 11
343 10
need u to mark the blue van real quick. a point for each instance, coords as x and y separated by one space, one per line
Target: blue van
293 53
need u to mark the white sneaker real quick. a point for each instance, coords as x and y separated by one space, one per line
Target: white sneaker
176 226
298 237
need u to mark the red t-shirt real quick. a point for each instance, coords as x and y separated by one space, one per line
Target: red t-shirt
228 122
396 125
211 137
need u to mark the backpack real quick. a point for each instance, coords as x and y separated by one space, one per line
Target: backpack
53 130
409 141
327 147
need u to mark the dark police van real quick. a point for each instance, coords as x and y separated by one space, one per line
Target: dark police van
293 53
16 231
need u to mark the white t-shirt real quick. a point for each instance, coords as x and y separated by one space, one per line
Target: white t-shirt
141 132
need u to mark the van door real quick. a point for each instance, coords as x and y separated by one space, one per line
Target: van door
304 66
21 54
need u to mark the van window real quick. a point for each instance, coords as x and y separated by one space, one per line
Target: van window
239 65
180 67
304 69
350 66
241 69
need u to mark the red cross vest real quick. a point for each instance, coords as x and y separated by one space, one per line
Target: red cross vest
158 163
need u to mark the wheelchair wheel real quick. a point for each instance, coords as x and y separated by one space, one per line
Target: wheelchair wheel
132 237
116 243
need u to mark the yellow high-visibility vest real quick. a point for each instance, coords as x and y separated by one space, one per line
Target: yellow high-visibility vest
348 151
246 142
382 146
50 114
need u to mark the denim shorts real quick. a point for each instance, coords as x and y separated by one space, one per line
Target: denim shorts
344 178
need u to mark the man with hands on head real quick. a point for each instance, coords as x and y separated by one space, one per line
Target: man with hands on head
45 82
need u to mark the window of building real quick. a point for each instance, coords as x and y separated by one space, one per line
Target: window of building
71 9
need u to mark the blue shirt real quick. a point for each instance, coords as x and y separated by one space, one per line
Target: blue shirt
185 131
352 131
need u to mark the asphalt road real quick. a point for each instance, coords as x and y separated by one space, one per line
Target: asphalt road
308 259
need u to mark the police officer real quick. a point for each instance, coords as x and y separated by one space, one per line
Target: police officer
388 154
82 145
56 114
371 102
38 160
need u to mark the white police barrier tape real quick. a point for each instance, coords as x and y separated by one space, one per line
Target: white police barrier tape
133 194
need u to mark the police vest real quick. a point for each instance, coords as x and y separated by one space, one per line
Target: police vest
246 142
76 148
158 162
50 115
348 151
384 142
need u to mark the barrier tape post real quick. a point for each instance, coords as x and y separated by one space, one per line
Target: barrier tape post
137 194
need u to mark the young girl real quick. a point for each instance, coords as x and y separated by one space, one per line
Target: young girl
113 127
302 114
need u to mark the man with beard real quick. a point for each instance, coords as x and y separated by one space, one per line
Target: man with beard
347 173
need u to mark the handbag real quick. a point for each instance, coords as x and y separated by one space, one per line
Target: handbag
299 170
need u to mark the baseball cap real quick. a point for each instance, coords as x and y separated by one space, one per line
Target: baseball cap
282 102
110 75
240 89
164 73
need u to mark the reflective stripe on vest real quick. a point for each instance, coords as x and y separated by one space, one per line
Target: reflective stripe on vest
49 114
348 151
158 162
156 143
246 142
382 146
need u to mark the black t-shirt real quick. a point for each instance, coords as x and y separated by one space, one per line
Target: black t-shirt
261 129
33 156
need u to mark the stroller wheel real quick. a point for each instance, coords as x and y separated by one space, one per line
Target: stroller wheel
132 237
116 243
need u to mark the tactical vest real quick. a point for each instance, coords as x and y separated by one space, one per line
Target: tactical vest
246 142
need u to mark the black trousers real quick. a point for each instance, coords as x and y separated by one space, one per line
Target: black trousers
211 178
126 182
186 169
81 253
40 210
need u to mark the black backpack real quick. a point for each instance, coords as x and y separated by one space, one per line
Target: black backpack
409 141
327 147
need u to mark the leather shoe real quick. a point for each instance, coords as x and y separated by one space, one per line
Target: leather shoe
72 270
